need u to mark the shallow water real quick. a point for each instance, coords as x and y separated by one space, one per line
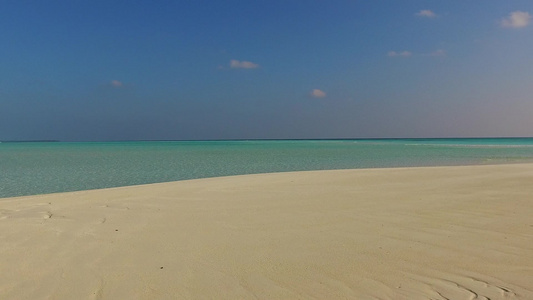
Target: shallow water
48 167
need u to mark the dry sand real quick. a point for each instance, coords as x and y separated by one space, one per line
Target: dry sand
415 233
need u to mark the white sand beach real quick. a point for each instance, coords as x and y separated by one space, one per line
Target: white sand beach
409 233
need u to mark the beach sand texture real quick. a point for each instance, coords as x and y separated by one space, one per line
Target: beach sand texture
409 233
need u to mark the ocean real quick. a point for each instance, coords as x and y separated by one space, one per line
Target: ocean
50 167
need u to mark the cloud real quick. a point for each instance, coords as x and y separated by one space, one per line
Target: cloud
516 19
426 13
236 64
399 54
116 83
316 93
439 52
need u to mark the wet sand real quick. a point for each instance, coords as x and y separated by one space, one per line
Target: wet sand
408 233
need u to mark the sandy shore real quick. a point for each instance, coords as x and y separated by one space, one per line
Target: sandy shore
416 233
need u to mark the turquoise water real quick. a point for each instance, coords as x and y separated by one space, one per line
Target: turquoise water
38 168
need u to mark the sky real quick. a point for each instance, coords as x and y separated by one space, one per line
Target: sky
91 70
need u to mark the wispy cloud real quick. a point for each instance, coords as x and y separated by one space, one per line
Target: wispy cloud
438 53
237 64
399 54
116 84
516 19
426 13
316 93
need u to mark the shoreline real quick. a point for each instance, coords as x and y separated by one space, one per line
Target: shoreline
492 163
87 166
389 233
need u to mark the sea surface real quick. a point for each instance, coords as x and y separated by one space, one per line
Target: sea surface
49 167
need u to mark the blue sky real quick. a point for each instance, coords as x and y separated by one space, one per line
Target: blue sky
86 70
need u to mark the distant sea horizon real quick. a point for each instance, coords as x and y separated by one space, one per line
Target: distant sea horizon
41 167
258 139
